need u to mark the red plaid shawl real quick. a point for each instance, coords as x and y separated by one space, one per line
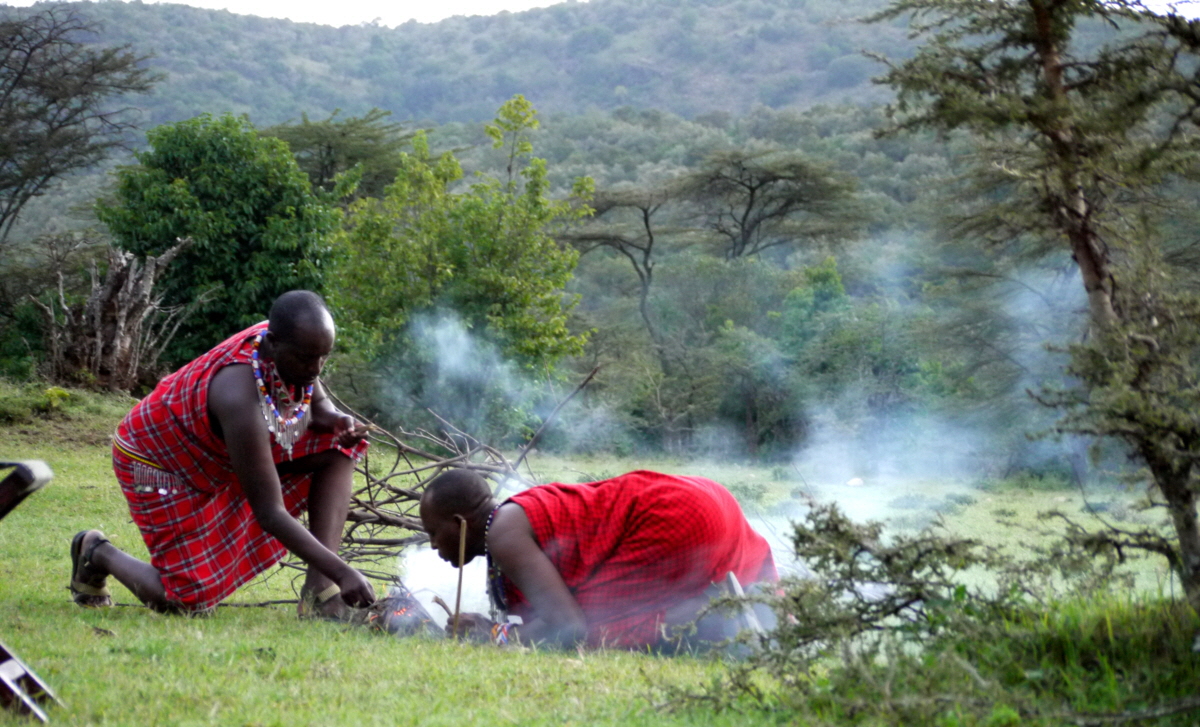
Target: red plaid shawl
631 547
183 494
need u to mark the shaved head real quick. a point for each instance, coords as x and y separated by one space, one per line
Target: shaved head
453 500
296 310
299 336
456 492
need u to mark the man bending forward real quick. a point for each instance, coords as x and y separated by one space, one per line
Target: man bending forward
218 462
610 563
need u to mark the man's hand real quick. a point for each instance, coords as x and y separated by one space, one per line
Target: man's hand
348 431
356 589
471 626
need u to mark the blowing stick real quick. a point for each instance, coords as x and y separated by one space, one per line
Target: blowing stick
462 558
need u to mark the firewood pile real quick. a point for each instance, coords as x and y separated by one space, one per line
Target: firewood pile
384 517
384 512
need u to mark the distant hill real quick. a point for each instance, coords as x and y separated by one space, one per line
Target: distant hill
688 57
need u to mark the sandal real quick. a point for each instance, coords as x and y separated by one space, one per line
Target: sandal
85 594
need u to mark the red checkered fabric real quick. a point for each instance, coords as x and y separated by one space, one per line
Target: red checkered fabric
182 491
631 547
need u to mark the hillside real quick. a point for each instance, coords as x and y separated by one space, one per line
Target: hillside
685 56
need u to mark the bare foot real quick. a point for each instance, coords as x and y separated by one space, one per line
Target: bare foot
326 605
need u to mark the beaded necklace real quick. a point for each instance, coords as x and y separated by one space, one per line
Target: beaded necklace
498 603
286 429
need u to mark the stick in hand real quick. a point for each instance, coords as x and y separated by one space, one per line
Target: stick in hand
462 557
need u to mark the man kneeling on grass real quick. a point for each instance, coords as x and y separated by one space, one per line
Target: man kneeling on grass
218 462
614 563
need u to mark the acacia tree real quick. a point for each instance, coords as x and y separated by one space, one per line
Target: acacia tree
326 149
56 94
1071 142
257 228
755 201
624 221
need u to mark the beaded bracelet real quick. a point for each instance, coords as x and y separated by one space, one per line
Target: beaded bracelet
500 633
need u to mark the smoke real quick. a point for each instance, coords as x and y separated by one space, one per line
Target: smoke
461 377
427 575
901 461
879 459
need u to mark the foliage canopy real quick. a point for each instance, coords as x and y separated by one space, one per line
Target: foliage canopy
366 146
485 254
257 228
56 94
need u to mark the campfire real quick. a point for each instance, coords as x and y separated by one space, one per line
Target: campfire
401 614
384 513
384 518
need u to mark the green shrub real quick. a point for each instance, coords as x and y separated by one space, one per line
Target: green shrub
888 631
748 493
782 474
27 402
21 403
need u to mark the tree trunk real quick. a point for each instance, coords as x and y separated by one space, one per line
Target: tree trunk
1073 211
1092 261
103 339
751 426
1173 482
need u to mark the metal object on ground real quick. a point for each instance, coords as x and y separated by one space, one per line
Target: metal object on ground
748 617
26 478
20 689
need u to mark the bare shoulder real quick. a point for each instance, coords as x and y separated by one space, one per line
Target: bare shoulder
510 526
231 389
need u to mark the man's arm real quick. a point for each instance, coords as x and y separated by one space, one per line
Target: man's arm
233 402
557 615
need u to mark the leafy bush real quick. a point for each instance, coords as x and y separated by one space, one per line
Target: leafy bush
24 403
27 402
888 631
748 493
960 500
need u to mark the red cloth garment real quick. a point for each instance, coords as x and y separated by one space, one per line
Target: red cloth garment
631 547
182 492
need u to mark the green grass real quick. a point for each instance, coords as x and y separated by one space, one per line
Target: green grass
262 666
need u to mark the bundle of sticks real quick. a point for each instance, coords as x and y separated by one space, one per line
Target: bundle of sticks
384 509
384 517
384 513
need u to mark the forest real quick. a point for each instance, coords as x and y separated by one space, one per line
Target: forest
849 241
688 57
848 320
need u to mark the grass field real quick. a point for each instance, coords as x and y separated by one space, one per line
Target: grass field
261 666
